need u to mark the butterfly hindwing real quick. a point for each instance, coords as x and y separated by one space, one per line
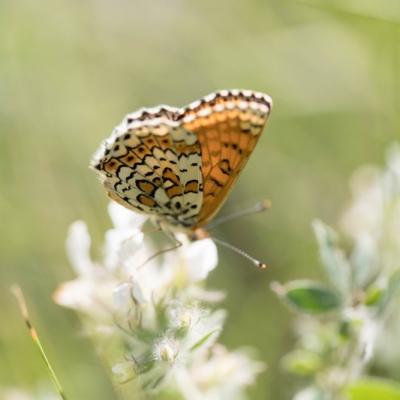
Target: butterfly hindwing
153 165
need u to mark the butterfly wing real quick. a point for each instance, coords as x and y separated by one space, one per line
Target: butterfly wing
152 164
179 165
228 125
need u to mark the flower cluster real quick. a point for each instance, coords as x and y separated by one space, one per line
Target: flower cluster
339 323
151 316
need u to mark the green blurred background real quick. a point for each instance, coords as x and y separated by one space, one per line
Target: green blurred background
70 70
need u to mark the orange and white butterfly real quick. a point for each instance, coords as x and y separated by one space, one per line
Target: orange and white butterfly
178 165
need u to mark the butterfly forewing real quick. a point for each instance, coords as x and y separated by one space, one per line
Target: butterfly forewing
228 125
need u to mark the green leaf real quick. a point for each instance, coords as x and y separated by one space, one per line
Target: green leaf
301 362
391 291
374 389
203 340
307 296
374 295
333 258
345 329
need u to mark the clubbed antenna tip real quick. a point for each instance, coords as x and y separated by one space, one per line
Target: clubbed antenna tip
242 253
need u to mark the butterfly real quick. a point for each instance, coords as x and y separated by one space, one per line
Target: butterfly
178 165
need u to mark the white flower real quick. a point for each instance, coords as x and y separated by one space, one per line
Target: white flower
361 318
201 258
364 217
91 291
206 331
166 350
122 218
86 295
125 255
218 374
136 301
207 296
373 218
183 316
78 249
124 241
122 296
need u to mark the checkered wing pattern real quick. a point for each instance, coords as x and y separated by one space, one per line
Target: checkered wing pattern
152 164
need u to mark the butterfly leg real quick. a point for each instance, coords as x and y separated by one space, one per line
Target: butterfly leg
257 208
177 245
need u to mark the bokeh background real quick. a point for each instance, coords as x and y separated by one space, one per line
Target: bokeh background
70 70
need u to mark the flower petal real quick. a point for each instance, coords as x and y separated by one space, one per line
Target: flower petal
120 246
121 217
201 258
78 248
87 295
76 294
122 296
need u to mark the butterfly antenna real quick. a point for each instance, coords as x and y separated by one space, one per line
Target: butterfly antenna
256 262
17 292
261 206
